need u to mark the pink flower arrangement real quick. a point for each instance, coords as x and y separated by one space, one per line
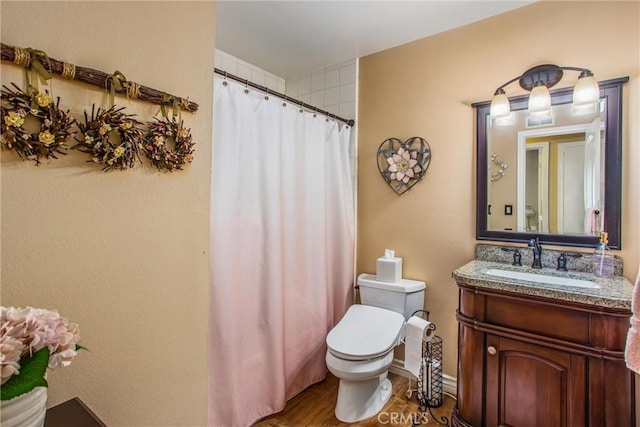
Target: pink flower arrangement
403 165
26 331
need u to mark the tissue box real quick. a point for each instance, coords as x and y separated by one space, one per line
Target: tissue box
389 270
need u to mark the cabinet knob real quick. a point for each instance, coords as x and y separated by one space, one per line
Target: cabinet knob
491 350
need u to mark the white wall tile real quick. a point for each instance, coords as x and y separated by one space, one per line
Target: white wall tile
333 109
271 82
332 78
245 64
317 98
347 74
347 110
258 77
305 98
229 64
244 72
317 82
348 92
332 88
291 89
304 86
225 54
332 96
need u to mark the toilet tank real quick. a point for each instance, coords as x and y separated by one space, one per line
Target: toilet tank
404 297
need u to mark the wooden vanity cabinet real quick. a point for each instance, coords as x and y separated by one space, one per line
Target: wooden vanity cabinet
526 361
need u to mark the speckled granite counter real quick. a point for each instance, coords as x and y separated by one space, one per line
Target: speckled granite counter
549 257
615 292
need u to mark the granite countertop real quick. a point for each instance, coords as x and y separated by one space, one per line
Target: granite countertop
614 292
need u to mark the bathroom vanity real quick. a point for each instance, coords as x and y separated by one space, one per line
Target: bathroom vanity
532 353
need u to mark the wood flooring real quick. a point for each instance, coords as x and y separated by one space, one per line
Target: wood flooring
315 407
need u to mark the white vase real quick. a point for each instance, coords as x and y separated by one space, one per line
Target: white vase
26 410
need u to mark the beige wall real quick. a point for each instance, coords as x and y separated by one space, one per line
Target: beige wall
425 88
123 254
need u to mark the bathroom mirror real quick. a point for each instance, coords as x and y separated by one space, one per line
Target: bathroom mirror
558 179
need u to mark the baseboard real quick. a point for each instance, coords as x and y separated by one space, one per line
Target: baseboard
449 383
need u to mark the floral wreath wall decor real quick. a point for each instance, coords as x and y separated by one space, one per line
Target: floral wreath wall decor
502 166
403 164
111 137
35 127
161 135
51 132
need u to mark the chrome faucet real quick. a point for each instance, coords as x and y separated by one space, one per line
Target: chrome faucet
537 252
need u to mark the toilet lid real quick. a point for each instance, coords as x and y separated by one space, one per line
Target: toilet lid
365 332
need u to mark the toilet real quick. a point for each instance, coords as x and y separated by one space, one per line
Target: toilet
360 347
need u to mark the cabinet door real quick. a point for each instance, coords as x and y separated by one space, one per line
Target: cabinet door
531 386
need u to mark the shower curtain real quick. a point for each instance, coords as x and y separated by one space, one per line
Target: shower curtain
282 243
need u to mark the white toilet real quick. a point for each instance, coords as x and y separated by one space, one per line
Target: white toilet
360 346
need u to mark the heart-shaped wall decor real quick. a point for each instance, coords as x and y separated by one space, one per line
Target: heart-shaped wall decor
403 164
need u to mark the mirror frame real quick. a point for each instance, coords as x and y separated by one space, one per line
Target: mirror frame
611 92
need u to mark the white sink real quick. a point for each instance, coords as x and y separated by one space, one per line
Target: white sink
542 278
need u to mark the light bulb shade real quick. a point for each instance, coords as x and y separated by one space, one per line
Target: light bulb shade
507 120
540 100
584 109
541 117
500 106
586 91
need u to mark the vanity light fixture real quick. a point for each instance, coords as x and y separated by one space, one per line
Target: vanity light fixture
538 80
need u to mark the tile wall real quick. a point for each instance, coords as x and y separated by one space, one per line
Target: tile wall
244 70
333 88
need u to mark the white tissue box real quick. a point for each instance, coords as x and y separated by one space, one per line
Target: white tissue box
389 270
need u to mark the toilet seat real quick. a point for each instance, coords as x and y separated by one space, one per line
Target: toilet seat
358 370
365 332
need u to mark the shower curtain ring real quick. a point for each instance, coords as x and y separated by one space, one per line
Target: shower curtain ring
266 97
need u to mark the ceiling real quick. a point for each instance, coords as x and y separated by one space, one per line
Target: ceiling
288 37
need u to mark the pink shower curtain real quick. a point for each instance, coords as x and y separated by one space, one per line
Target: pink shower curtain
282 243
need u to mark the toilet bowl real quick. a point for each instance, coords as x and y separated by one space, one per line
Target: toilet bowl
360 352
360 346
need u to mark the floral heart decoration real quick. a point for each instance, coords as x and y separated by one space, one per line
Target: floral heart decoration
403 164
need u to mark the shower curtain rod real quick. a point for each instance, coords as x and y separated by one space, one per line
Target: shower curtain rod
349 122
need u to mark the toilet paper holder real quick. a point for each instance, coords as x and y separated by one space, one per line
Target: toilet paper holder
429 386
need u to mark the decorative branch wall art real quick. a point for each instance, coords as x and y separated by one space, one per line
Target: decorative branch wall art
403 164
25 57
35 127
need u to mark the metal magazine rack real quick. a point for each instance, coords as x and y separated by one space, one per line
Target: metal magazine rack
429 387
